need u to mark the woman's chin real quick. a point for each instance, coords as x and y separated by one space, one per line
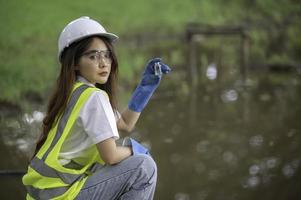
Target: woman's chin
102 81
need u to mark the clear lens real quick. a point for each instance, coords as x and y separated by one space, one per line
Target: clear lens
99 56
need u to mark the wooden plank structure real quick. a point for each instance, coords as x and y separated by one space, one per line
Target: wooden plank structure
194 30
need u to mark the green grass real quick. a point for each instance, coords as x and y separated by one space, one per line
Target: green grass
30 28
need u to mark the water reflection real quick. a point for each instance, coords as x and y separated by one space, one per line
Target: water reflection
252 182
256 141
211 72
36 116
229 142
230 158
240 143
290 169
18 135
229 95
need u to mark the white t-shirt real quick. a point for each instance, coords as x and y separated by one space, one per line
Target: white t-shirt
96 122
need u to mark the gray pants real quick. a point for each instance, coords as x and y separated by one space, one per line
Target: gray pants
133 178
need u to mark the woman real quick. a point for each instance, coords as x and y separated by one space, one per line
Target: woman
76 156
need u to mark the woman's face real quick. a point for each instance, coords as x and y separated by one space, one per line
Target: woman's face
95 63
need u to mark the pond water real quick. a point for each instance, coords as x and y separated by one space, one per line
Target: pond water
234 142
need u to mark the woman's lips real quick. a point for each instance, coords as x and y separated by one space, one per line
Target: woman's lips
103 73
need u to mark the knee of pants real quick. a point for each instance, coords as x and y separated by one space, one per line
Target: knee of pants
148 167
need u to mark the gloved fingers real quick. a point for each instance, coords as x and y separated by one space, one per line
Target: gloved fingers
137 148
153 69
164 68
154 60
150 65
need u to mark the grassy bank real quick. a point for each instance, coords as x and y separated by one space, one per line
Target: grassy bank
30 28
29 32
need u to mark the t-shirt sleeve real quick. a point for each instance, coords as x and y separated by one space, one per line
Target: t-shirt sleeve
117 115
97 118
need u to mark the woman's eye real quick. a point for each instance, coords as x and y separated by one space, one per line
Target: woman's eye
93 57
107 55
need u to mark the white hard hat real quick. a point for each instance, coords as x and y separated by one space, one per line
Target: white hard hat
81 28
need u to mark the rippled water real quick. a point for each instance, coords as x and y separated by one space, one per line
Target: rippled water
214 142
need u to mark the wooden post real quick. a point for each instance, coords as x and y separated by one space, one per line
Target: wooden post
194 30
193 61
245 49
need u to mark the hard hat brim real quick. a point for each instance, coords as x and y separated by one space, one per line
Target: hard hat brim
112 37
79 29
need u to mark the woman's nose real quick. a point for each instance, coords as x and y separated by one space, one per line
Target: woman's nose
102 64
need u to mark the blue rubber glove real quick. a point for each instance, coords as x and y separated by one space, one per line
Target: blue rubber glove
150 81
137 148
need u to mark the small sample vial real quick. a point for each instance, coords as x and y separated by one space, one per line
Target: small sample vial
157 69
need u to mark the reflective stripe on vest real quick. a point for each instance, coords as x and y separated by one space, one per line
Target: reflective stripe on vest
47 171
63 121
39 165
45 193
54 192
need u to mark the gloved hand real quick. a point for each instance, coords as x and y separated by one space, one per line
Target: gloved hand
137 148
150 81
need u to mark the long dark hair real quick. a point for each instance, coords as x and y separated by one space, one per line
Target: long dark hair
66 79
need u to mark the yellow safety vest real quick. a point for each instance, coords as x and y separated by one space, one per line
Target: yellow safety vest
46 178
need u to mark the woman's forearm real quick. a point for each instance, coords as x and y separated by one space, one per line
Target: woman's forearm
121 154
112 154
128 120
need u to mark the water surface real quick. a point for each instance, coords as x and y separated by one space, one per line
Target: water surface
217 142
